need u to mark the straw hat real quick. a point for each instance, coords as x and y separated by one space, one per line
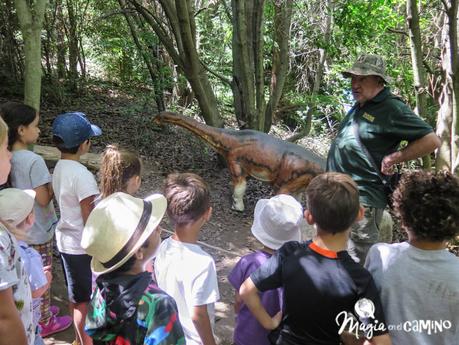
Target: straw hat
118 226
278 220
16 205
368 65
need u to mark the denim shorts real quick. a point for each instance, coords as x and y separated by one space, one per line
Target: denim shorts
78 276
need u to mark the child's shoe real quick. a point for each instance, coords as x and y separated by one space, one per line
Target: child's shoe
55 325
54 309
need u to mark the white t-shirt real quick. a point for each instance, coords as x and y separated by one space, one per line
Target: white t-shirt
72 183
188 274
13 275
29 171
419 292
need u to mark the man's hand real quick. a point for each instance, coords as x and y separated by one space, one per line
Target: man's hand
414 150
388 162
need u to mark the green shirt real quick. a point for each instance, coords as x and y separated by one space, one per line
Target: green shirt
384 122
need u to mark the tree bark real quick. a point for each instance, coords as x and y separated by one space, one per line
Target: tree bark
248 71
11 62
146 59
419 74
322 51
31 22
180 29
73 46
60 43
282 22
447 123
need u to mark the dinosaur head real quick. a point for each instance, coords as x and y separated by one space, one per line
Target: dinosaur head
157 119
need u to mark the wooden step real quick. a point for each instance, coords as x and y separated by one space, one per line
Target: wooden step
51 155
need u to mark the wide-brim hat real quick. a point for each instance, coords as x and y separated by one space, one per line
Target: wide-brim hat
368 65
278 220
118 226
16 204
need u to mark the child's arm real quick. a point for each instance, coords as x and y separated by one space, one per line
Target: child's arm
44 194
237 301
37 293
249 295
86 206
201 321
11 327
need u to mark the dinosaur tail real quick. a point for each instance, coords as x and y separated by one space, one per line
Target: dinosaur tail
211 135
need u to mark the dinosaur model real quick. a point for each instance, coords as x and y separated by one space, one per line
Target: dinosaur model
288 167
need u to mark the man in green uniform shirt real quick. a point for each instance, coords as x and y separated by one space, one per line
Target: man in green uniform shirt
382 121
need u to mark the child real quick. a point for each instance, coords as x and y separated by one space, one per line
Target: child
182 268
321 282
127 308
17 209
75 189
120 171
16 325
29 171
419 279
276 221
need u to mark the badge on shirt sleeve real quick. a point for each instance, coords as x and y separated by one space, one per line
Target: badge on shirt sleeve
368 117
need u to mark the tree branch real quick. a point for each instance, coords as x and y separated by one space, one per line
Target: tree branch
160 32
216 74
397 31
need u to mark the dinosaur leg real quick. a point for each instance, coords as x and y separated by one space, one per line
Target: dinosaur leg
238 194
239 185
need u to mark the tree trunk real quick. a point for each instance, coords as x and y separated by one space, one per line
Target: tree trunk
61 46
328 28
282 22
419 74
248 71
73 46
146 59
31 21
447 123
11 63
181 30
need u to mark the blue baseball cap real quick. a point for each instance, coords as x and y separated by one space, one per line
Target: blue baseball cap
74 128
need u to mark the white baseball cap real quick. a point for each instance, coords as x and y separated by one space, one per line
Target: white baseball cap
16 204
278 220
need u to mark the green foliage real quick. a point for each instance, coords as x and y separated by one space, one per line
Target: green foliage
358 26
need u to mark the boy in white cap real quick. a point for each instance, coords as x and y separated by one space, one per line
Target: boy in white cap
276 221
122 235
17 210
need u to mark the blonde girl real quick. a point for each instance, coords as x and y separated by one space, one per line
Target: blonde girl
120 171
29 171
